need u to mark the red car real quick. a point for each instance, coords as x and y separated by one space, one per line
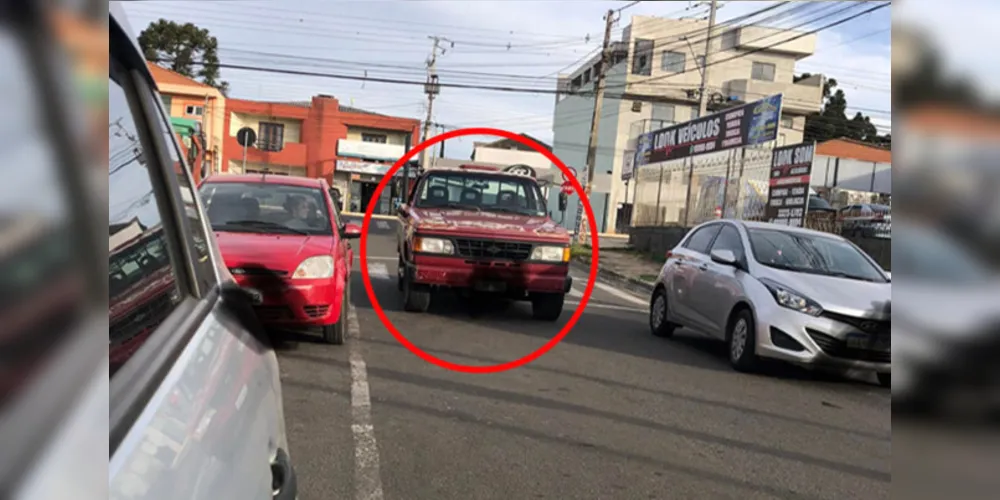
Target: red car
283 240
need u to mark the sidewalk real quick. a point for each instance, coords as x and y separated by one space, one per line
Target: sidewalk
623 267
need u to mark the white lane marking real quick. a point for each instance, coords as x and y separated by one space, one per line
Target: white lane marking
608 306
620 294
387 259
382 224
367 479
377 270
573 292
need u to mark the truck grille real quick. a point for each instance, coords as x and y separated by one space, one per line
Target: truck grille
490 249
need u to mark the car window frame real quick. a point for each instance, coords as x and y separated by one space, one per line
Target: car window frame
739 237
687 240
33 423
137 380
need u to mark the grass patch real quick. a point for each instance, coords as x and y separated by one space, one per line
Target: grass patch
580 251
649 278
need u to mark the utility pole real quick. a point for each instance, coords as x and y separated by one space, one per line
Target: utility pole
702 101
432 89
609 20
703 90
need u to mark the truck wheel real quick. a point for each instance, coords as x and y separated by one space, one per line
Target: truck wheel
547 306
400 273
414 300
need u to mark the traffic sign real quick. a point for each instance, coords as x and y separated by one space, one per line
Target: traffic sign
246 136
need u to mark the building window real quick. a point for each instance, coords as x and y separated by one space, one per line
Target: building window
270 136
166 102
786 122
577 82
673 62
586 76
729 39
662 112
762 71
642 58
618 57
194 110
695 113
379 138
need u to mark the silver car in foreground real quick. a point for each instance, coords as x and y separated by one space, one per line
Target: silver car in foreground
809 298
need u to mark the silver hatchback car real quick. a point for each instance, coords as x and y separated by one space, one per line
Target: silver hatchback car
791 294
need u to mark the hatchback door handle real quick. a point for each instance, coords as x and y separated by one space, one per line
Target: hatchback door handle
284 485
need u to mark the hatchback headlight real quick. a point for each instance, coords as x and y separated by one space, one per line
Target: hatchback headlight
550 254
791 299
320 266
433 245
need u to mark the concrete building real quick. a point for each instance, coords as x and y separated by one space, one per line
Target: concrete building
193 105
670 52
349 147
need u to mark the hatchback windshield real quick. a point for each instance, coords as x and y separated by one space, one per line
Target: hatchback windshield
493 193
812 254
266 208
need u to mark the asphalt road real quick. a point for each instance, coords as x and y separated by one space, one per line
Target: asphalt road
610 413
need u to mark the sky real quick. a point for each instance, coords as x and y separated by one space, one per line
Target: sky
390 39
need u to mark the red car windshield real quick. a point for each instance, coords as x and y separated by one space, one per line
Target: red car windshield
266 208
485 192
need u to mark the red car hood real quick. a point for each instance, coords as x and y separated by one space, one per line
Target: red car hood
490 224
282 252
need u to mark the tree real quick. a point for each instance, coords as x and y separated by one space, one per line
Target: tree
184 48
832 121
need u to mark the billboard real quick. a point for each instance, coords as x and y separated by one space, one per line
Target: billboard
788 196
744 125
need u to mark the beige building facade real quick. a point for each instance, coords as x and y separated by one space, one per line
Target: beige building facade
653 82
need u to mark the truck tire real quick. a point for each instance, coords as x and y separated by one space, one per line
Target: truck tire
414 300
547 306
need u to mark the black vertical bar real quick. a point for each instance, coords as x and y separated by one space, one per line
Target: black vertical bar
406 169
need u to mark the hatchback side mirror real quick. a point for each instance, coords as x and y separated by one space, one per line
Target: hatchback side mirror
725 257
351 231
563 201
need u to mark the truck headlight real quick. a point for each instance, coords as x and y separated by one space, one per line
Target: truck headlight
791 299
550 254
433 245
320 266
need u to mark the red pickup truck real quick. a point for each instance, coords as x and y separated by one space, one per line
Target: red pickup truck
482 230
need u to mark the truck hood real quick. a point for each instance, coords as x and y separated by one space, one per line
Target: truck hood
493 224
280 252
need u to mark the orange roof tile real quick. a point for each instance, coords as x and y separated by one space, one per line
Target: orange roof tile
947 120
856 150
169 77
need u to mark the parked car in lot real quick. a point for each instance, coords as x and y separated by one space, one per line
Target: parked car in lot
282 238
870 220
791 294
195 393
479 230
949 328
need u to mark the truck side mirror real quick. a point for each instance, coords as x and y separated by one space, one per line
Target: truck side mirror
563 201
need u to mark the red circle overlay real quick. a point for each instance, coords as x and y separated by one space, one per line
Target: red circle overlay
366 224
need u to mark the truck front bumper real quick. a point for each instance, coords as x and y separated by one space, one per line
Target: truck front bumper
490 276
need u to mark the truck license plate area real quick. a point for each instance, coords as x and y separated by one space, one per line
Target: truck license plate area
489 286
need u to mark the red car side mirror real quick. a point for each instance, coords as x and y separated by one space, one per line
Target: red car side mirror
352 231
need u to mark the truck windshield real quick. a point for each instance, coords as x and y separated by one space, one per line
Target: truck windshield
478 191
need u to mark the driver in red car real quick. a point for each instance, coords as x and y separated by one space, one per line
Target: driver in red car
299 210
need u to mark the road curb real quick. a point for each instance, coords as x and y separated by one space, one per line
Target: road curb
615 279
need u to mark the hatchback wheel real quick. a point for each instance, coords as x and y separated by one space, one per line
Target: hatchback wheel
742 341
337 332
658 323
